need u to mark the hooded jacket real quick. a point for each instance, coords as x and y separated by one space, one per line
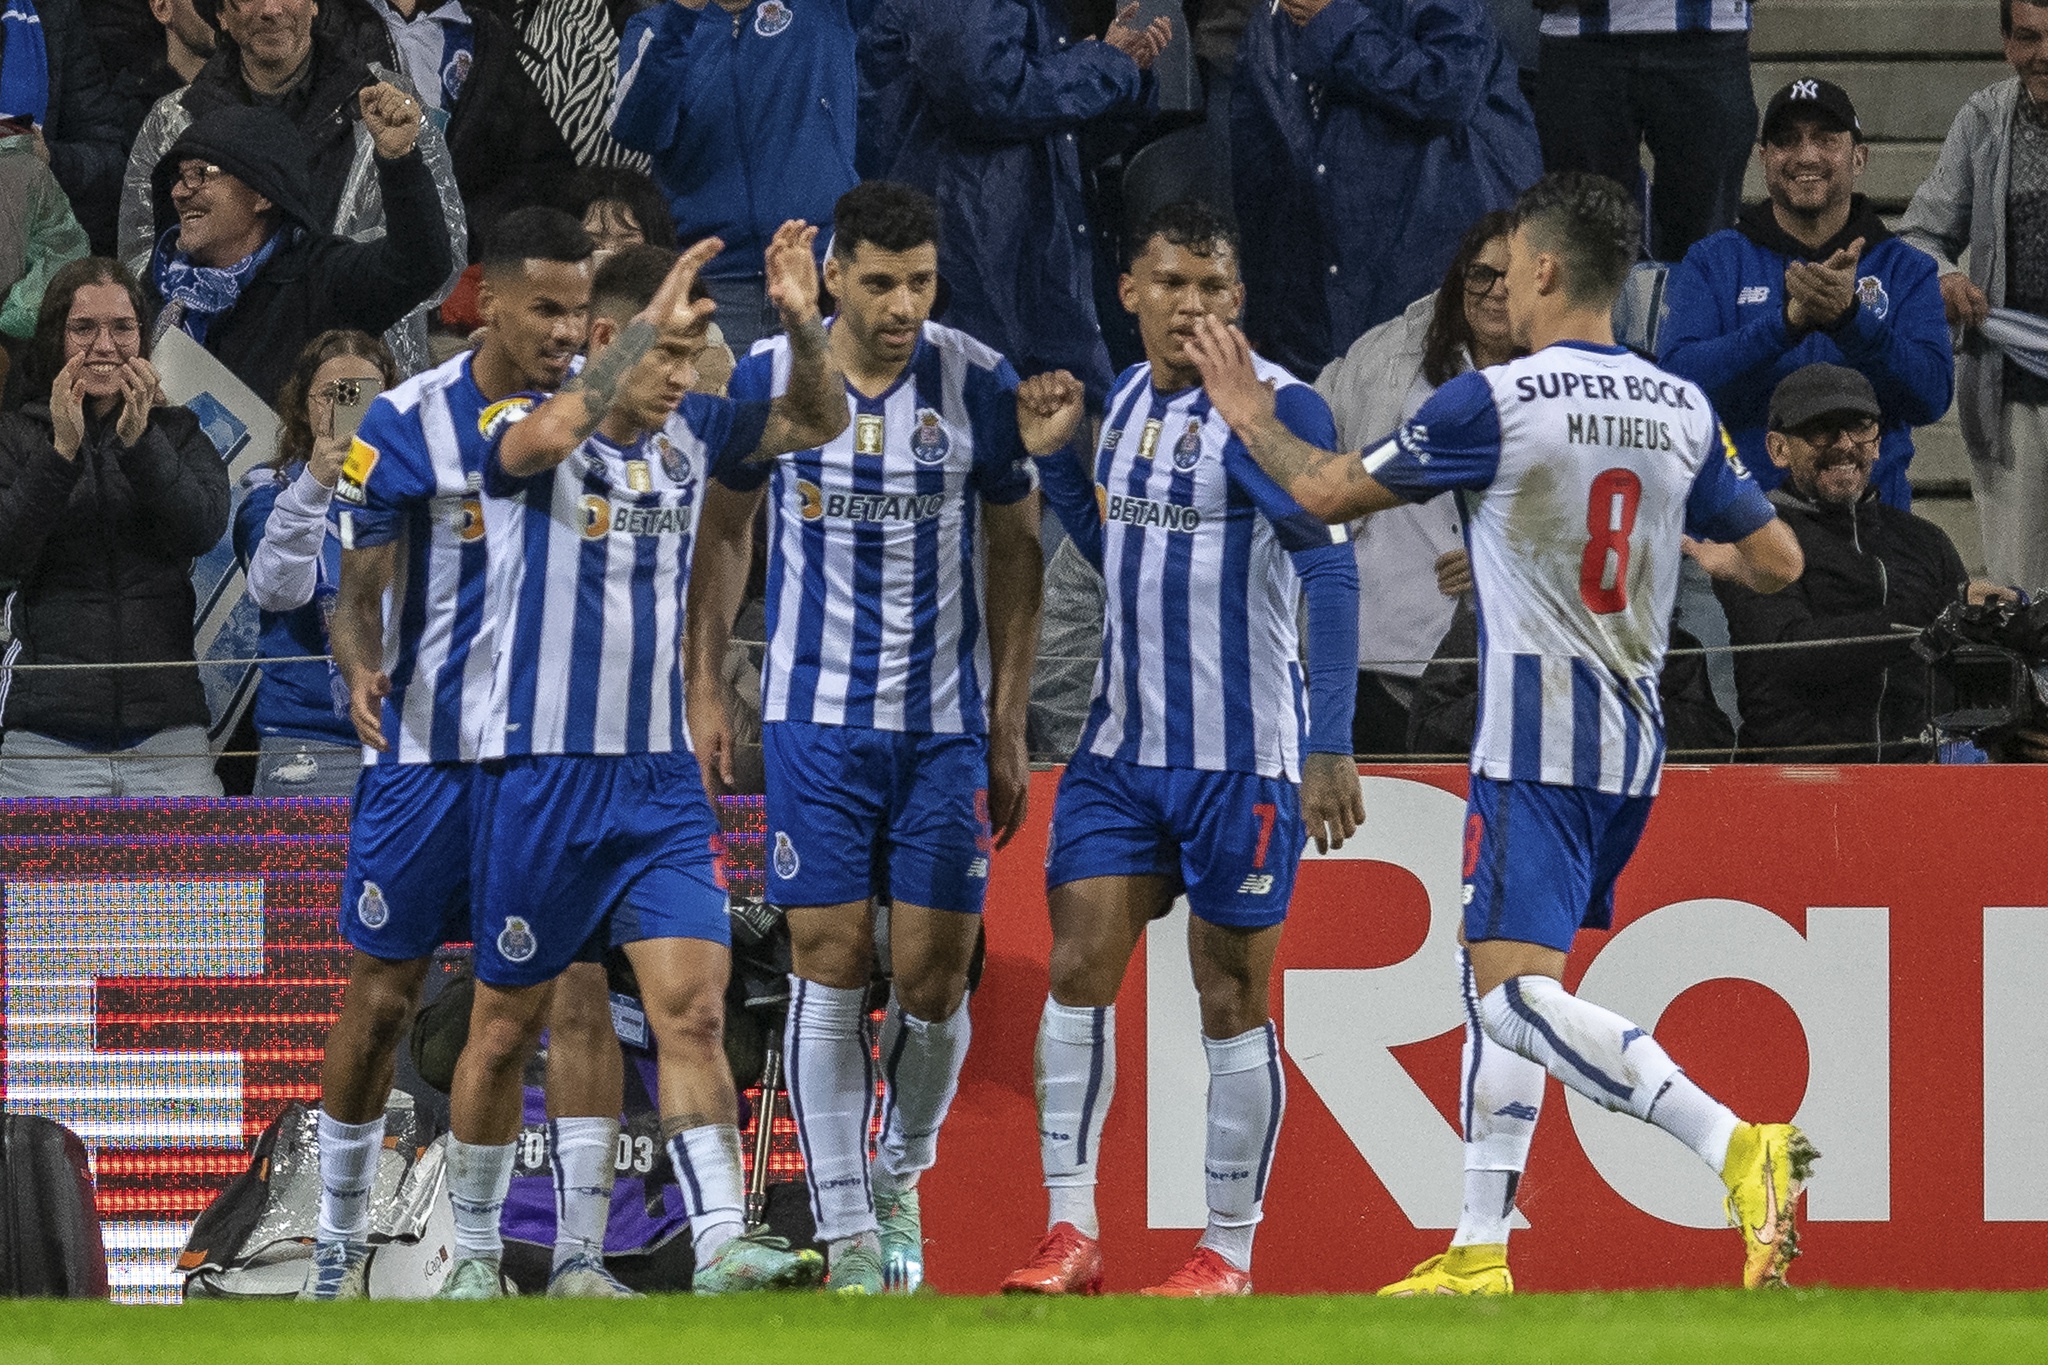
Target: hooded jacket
315 280
341 174
102 545
1726 331
1868 568
1363 144
981 104
748 117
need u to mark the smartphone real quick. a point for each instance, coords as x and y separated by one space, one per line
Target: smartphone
351 399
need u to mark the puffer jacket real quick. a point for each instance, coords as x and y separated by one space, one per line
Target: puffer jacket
102 548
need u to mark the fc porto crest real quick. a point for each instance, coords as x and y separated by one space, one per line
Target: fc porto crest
928 439
1187 451
1870 293
674 462
455 75
493 420
516 942
773 17
786 861
371 907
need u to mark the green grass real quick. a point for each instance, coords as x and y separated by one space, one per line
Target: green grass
1799 1327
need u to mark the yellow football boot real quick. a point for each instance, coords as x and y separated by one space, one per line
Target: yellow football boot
1457 1272
1767 1169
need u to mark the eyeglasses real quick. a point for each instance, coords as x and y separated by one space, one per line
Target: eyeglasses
1480 278
85 331
1862 436
195 177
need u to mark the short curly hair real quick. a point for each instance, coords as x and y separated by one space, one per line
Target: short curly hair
1591 224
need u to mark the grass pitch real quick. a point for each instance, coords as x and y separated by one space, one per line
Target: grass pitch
1804 1326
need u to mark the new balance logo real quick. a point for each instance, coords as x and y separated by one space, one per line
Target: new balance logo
978 868
1752 293
1525 1112
1258 884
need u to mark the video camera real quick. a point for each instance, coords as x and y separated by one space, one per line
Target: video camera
1987 669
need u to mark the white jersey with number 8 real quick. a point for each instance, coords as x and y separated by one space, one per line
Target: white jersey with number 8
1578 468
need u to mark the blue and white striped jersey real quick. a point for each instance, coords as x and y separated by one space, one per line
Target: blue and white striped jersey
1200 652
590 569
875 553
1578 468
413 475
1646 16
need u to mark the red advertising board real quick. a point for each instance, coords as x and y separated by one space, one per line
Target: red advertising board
1859 947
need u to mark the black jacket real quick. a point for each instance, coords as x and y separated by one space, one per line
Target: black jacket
316 280
507 152
1867 569
1446 713
103 545
83 129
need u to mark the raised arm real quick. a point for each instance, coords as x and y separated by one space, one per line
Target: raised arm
1050 408
554 429
718 583
812 410
1330 485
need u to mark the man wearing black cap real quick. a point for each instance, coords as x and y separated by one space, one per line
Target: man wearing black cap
1870 567
1811 274
241 263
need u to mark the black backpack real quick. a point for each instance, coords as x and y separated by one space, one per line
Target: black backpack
50 1244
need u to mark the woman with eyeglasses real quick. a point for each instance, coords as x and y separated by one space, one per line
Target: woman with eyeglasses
289 548
106 496
1411 561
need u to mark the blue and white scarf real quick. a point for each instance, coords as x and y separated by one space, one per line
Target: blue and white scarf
24 63
202 292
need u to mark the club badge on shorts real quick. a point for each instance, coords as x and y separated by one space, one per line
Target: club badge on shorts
786 861
516 942
371 908
773 17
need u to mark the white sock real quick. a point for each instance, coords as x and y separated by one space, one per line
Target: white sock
585 1154
478 1178
1076 1064
921 1062
831 1093
1607 1059
1247 1097
707 1165
348 1170
1500 1095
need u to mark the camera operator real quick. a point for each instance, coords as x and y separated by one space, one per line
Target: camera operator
1870 568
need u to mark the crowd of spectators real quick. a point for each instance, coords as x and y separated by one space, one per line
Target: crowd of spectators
299 190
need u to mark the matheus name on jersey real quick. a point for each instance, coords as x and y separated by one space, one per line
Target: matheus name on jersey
413 476
1579 467
590 568
874 544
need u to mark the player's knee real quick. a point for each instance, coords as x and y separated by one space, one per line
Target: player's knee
501 1043
934 996
842 960
695 1023
1081 979
382 1005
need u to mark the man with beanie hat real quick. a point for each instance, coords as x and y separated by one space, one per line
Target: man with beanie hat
241 264
1870 567
1811 274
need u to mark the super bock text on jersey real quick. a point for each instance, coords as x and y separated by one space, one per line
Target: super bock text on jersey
1578 468
875 552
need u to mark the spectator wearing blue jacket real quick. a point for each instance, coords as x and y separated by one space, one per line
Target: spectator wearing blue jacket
980 103
291 551
746 108
1366 137
1811 275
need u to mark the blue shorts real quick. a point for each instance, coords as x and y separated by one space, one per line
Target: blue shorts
1540 860
855 813
1229 841
581 853
409 841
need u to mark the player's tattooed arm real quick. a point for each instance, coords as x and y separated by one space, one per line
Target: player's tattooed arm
813 408
555 428
718 581
1331 485
356 636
